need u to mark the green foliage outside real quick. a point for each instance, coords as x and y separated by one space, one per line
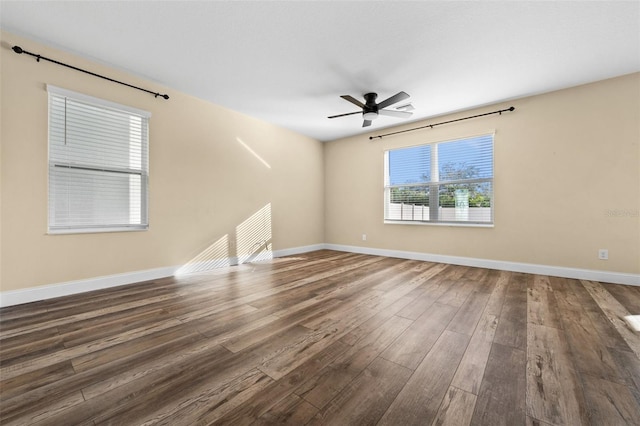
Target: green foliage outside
479 193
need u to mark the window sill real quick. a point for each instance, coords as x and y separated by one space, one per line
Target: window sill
447 224
94 230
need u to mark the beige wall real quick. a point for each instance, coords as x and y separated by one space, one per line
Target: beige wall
576 150
204 183
567 182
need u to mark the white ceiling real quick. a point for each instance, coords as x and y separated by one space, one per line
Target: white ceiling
288 62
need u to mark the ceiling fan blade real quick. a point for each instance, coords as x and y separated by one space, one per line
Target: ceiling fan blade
342 115
366 123
407 107
352 100
392 113
400 96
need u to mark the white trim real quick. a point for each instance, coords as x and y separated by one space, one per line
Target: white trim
298 250
33 294
530 268
449 224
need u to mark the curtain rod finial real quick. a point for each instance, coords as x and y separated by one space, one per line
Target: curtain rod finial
17 49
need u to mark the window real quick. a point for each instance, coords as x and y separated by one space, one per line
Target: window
98 164
447 182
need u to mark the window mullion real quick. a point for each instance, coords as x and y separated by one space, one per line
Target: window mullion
434 201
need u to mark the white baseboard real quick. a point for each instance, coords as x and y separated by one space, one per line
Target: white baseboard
530 268
298 250
33 294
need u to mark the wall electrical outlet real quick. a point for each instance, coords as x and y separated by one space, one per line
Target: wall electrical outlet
364 237
603 254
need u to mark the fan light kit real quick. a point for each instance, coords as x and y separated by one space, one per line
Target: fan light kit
370 115
371 110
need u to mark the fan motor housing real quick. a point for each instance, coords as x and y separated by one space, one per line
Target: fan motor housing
370 104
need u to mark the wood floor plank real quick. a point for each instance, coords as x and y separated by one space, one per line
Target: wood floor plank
410 347
322 387
138 398
470 372
124 370
554 391
367 397
590 354
501 400
629 366
261 403
43 414
419 400
298 352
627 295
512 325
9 330
603 326
19 343
469 314
456 292
535 422
615 313
23 384
292 410
496 300
426 297
109 349
376 321
456 408
487 281
325 337
471 369
78 352
45 392
610 403
204 404
280 324
542 308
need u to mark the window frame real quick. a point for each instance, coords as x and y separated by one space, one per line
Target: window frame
142 171
437 184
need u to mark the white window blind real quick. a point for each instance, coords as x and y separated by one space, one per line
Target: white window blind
445 182
98 164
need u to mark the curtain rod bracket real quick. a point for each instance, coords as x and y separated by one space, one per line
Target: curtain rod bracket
19 50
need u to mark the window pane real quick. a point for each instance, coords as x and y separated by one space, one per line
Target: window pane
408 203
466 159
89 198
410 165
468 202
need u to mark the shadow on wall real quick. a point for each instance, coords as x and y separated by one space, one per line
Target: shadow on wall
252 243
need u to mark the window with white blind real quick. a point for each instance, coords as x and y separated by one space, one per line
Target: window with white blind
447 182
98 164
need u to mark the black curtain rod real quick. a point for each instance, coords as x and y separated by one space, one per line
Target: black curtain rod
444 122
20 50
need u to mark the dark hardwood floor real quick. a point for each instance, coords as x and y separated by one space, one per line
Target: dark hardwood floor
327 338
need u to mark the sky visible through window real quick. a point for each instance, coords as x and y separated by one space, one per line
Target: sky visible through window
413 164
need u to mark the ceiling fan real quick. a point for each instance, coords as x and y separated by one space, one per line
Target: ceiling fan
371 110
